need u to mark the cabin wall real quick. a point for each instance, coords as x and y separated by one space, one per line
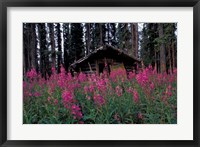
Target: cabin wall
95 66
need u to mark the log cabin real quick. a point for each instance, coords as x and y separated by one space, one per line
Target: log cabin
103 57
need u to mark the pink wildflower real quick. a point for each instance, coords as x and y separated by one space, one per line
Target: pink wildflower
67 98
152 86
86 89
118 91
55 101
135 96
88 97
130 90
37 94
99 100
140 115
31 74
76 112
82 77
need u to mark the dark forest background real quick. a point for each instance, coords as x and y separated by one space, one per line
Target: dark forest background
47 45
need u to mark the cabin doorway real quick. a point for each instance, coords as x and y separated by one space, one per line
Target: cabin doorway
102 68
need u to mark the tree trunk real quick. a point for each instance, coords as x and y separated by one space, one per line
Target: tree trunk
169 57
155 66
66 45
52 38
136 40
88 38
59 58
42 36
33 47
162 49
101 34
133 38
173 56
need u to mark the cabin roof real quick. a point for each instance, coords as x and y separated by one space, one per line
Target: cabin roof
100 50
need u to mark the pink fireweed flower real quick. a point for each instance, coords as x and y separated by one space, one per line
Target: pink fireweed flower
88 97
117 117
91 88
82 77
53 70
140 115
49 99
37 94
62 77
55 101
67 98
76 112
169 91
31 74
118 91
142 78
117 74
152 86
101 85
30 94
130 90
131 75
99 100
135 96
86 89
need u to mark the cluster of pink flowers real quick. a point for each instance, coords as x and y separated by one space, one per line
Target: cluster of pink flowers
135 96
67 97
76 112
62 77
97 89
130 90
70 104
119 91
118 74
52 101
31 74
98 99
82 77
142 77
131 75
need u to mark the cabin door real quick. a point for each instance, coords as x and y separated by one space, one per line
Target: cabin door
102 68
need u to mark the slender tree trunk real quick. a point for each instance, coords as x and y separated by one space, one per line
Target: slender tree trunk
133 38
169 57
25 48
52 38
162 49
101 34
173 56
33 47
126 37
88 38
59 47
66 45
155 66
136 40
28 48
43 49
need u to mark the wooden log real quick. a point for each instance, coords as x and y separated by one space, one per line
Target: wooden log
89 66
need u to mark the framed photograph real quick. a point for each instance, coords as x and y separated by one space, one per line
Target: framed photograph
81 73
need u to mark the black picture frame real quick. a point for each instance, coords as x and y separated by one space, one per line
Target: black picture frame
4 4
